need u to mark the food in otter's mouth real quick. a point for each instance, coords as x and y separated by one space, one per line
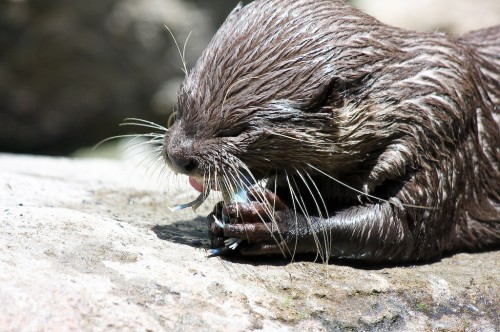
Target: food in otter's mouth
193 204
377 144
232 194
239 196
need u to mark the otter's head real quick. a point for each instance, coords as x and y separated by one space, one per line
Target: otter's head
265 96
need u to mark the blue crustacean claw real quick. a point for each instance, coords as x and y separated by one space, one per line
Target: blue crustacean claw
194 204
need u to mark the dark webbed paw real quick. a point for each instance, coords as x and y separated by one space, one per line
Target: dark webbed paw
265 225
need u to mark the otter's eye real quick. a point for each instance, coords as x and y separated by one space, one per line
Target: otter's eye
231 132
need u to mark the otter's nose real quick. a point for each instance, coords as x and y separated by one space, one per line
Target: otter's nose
183 164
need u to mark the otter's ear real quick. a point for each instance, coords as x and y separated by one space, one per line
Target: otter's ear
236 9
335 92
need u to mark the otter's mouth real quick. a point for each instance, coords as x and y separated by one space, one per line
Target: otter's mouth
238 193
201 186
197 185
235 192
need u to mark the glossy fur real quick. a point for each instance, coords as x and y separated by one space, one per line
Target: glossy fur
311 93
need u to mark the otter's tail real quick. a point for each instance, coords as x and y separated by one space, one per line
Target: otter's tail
485 44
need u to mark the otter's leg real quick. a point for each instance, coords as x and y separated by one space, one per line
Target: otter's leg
372 232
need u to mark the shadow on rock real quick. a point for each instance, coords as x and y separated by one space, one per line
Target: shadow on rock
193 233
277 260
188 232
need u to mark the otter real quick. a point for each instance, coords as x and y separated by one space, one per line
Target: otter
362 141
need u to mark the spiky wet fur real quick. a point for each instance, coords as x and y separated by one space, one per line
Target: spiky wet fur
329 103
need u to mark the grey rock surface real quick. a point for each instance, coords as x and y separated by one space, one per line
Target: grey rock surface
90 245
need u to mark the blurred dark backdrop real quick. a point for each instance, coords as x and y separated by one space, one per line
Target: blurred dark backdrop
71 71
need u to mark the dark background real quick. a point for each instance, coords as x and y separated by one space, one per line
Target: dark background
72 70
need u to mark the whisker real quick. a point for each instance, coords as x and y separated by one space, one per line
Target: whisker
320 214
151 167
137 145
184 69
328 237
206 178
133 136
268 208
302 205
184 49
124 124
144 123
368 195
293 199
236 182
172 118
303 139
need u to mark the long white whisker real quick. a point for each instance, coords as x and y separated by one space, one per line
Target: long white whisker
302 205
328 237
184 50
184 69
248 183
152 124
135 146
239 179
124 124
368 195
294 206
320 214
172 118
302 139
133 136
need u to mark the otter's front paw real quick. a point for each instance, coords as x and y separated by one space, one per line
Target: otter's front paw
265 225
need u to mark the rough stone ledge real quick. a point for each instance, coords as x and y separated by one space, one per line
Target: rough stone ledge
91 245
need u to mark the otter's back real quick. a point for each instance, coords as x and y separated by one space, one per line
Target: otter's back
485 45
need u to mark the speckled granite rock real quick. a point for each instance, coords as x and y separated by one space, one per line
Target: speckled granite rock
91 245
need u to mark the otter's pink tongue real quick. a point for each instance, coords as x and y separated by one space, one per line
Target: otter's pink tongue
195 184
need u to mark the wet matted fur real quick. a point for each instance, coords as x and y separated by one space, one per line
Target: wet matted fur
377 143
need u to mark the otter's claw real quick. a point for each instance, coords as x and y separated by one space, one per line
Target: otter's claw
250 227
218 252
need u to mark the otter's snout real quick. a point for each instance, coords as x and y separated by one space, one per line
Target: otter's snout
182 163
179 153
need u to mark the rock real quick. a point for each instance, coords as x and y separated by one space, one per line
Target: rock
89 244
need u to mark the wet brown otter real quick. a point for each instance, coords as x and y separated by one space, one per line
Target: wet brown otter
377 143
